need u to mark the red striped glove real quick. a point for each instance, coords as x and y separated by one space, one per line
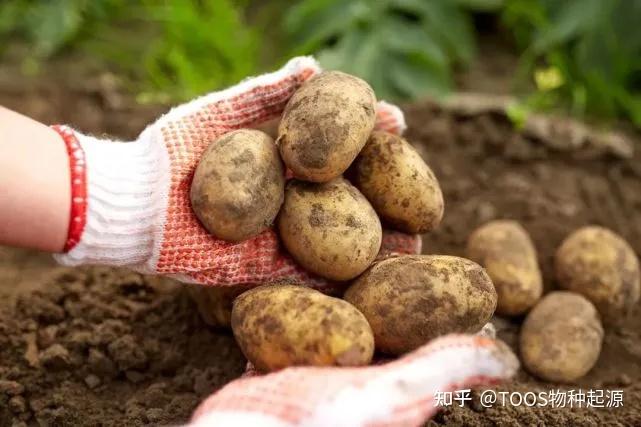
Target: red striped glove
130 204
399 393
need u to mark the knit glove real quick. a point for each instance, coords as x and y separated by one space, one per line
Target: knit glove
130 201
400 393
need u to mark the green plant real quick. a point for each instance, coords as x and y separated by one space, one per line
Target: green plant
582 53
202 47
403 48
166 49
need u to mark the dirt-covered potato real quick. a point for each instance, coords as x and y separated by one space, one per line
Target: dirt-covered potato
400 186
598 264
561 337
238 186
325 124
330 229
411 299
507 253
277 326
214 303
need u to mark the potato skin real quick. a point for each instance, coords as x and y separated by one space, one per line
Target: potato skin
280 325
507 253
214 303
325 124
598 264
412 299
561 337
330 229
398 183
238 186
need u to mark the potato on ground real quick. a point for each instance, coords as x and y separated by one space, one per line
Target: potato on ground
330 229
325 124
561 337
508 255
398 183
600 265
214 303
412 299
238 186
277 326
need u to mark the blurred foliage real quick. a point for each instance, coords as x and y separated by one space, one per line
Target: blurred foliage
403 48
581 54
585 54
171 49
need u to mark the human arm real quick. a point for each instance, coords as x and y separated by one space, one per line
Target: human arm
34 184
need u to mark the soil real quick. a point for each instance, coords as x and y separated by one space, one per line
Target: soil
99 346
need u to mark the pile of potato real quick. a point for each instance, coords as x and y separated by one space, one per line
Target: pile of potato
350 181
562 335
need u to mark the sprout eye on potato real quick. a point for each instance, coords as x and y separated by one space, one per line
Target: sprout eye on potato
238 186
561 337
330 229
400 186
598 264
325 125
412 299
508 255
278 326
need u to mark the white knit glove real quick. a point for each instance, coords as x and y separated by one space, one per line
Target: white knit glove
399 393
130 204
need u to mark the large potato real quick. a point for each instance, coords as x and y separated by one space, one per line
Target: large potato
506 252
277 326
325 124
330 229
561 337
411 299
238 186
598 264
400 186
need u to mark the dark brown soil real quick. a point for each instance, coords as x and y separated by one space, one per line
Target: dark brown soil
97 346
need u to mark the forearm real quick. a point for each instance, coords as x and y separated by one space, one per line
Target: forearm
34 184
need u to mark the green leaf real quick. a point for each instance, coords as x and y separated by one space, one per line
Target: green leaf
572 18
53 23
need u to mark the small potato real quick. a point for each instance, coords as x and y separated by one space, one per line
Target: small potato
506 252
330 229
277 326
325 124
214 303
598 264
561 337
412 299
400 186
238 186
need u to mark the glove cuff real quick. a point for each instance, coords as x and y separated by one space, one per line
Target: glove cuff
124 201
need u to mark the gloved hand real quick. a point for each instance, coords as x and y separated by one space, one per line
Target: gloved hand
399 393
130 201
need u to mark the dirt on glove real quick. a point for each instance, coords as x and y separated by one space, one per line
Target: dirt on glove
98 346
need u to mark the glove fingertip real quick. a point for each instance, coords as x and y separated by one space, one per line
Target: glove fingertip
303 66
390 118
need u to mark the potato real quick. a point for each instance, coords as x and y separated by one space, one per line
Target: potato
412 299
506 252
561 337
330 229
598 264
238 186
214 303
400 186
325 124
277 326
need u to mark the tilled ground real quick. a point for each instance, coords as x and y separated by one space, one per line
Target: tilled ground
98 346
